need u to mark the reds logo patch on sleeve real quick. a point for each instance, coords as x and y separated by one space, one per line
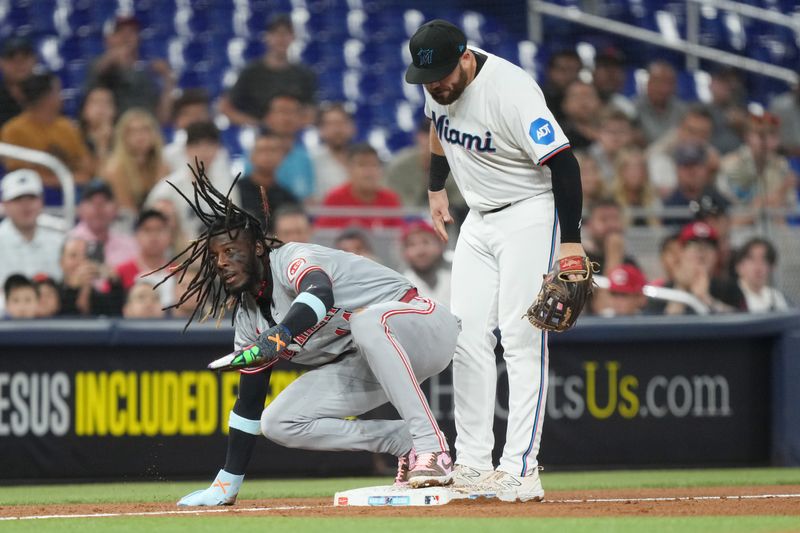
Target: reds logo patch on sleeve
294 268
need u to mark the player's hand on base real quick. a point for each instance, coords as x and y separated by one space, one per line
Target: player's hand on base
440 212
571 248
267 347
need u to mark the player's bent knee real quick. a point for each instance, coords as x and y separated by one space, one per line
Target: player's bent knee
282 429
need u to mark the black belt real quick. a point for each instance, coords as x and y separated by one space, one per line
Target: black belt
495 210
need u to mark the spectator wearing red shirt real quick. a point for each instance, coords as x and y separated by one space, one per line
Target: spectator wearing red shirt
153 238
363 189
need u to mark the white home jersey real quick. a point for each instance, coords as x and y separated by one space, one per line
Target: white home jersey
496 135
357 283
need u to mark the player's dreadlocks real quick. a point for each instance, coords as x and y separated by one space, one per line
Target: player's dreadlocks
220 216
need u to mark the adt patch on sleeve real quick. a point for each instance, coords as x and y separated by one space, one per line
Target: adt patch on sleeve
541 131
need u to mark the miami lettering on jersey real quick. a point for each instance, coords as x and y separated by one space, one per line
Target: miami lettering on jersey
465 139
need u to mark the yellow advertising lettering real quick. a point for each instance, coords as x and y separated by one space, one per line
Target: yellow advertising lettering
189 403
207 409
169 401
629 402
591 389
147 403
230 384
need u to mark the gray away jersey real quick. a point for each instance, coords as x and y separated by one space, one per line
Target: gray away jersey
357 282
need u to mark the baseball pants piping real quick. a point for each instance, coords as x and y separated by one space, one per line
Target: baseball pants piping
399 346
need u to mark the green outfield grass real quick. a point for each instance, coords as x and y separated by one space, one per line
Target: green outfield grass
265 489
319 488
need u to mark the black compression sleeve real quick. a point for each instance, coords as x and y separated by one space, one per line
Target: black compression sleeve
566 176
440 168
302 316
253 390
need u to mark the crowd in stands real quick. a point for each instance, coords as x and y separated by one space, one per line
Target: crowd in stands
131 146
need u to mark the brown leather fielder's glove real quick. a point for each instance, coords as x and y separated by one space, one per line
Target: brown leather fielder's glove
561 299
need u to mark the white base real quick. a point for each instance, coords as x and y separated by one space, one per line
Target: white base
389 495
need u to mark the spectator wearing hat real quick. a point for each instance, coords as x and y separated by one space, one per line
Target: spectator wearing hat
756 174
153 237
97 211
695 274
427 269
693 182
609 80
27 246
714 211
41 126
408 171
292 224
271 74
625 296
755 263
89 287
363 190
17 60
133 82
21 299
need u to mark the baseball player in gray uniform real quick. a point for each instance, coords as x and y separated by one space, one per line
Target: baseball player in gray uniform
367 334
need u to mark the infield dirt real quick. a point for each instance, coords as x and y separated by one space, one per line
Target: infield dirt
708 501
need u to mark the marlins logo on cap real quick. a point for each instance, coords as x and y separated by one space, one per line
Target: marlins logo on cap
435 50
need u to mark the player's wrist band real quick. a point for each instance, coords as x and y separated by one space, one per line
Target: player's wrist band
440 168
313 302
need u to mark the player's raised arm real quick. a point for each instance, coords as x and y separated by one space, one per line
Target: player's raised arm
437 195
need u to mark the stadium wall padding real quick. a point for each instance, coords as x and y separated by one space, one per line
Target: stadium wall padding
132 399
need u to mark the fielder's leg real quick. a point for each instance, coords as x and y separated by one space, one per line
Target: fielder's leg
529 244
474 300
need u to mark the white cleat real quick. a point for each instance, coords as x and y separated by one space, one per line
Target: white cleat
510 488
466 477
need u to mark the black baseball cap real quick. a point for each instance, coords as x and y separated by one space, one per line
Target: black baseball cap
435 49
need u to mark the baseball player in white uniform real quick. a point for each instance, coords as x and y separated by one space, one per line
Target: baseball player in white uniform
515 169
362 328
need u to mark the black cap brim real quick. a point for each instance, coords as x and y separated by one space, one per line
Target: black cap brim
418 76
